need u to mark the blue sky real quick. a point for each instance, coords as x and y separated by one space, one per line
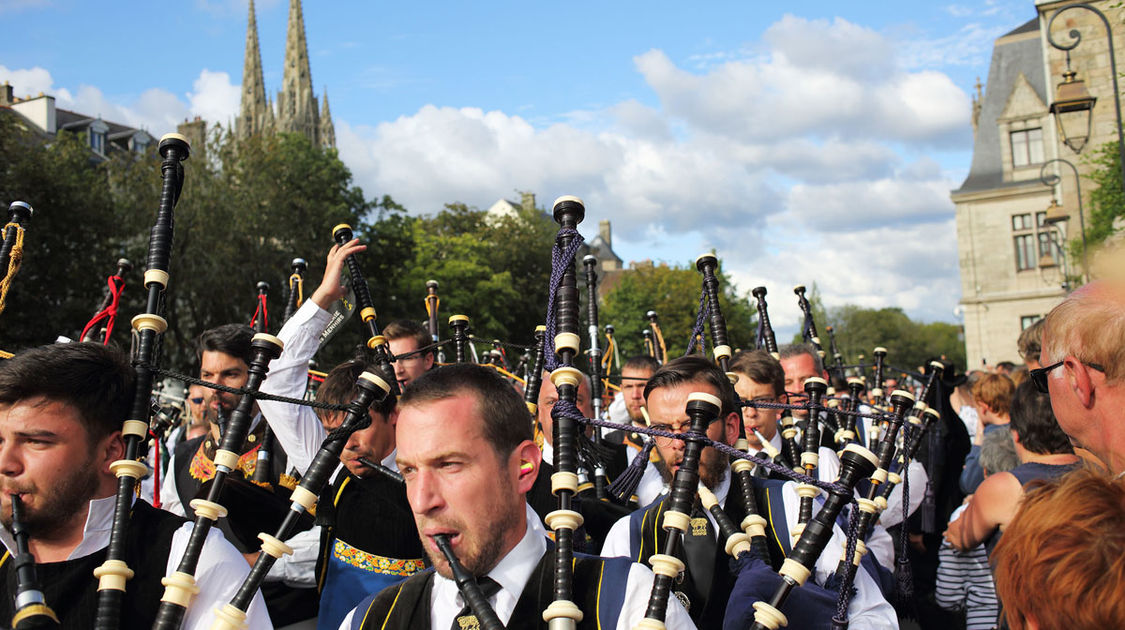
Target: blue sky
809 142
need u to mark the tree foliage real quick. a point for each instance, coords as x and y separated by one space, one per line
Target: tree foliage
1107 200
246 210
71 242
493 269
909 344
673 292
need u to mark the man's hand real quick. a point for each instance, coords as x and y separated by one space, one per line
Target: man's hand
330 288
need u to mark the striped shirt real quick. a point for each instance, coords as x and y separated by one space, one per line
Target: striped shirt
964 582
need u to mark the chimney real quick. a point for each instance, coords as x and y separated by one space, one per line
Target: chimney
527 201
196 134
6 96
606 233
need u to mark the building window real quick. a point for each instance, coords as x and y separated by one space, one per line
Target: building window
1025 252
97 142
1027 320
1027 147
1032 240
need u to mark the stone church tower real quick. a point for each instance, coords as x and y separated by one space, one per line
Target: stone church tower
297 110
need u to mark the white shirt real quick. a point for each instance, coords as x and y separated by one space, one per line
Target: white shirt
515 569
868 609
879 542
219 573
296 427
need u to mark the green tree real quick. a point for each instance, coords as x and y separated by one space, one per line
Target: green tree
673 292
493 269
820 318
71 243
1107 200
909 344
246 211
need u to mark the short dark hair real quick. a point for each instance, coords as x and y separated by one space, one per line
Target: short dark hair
641 362
96 380
232 339
695 369
507 422
1034 422
797 349
760 367
407 329
339 388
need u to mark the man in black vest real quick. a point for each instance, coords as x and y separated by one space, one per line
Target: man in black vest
224 357
707 581
466 451
61 409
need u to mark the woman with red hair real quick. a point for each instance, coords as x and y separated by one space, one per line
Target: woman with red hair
1061 561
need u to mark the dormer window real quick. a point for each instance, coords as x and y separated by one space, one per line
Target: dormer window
96 133
97 141
1027 147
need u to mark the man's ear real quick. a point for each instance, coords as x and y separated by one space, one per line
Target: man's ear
1078 380
526 460
108 450
730 427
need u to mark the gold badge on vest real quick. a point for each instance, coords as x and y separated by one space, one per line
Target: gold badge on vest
468 622
699 526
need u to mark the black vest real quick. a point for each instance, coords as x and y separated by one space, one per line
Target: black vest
599 588
252 508
70 588
706 609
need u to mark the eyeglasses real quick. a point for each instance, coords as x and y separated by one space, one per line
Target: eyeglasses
681 428
1039 375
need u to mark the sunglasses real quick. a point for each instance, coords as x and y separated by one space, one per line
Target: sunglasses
1039 375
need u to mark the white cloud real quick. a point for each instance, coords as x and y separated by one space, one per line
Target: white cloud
819 79
215 98
27 82
156 110
847 206
799 164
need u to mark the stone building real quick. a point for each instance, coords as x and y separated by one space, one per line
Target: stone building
297 110
1014 263
609 266
40 115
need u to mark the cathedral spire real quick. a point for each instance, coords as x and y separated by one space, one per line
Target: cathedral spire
253 113
327 130
297 107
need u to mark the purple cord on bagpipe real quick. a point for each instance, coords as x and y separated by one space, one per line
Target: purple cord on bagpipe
700 319
559 259
840 620
571 411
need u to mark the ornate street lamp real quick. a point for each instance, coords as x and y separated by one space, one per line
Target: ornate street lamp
1073 109
1073 104
1057 214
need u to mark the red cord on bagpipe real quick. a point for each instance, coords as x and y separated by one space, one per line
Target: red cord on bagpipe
261 311
109 313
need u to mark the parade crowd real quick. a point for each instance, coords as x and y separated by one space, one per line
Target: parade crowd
1008 513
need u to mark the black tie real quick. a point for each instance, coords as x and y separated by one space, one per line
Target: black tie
466 620
699 551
